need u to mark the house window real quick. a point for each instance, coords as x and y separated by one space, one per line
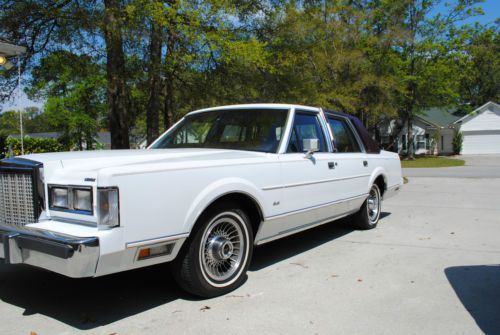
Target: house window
421 143
442 143
427 142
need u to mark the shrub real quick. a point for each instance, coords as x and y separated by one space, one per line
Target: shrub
458 139
32 145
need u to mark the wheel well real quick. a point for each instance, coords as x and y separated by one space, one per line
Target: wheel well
247 203
380 181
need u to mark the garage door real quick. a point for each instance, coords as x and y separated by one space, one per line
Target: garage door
481 142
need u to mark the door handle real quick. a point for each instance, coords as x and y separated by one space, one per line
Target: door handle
332 165
365 163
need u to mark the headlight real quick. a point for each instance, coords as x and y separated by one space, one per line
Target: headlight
82 199
59 198
108 207
77 199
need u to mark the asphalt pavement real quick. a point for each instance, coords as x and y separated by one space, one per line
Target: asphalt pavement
430 267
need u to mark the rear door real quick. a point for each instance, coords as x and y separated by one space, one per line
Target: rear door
352 168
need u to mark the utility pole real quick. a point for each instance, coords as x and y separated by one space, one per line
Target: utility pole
18 100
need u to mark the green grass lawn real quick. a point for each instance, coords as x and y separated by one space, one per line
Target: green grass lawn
431 162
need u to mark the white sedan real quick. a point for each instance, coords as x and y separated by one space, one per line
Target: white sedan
219 182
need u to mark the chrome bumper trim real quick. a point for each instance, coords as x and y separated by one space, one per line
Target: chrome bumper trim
68 255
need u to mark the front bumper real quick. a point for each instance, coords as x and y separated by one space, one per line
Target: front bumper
68 255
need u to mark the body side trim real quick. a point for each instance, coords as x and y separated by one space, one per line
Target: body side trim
268 188
157 240
283 225
301 228
314 207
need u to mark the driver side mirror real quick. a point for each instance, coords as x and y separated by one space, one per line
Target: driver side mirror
310 146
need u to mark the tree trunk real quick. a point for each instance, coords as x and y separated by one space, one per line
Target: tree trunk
153 111
168 108
118 100
409 135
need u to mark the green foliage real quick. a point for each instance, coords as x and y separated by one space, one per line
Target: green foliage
373 58
34 121
32 145
431 162
458 140
480 67
74 87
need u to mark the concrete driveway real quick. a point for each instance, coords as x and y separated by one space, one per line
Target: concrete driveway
431 267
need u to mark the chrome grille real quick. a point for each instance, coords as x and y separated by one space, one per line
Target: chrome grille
17 204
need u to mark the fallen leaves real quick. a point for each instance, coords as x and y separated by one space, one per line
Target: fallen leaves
205 308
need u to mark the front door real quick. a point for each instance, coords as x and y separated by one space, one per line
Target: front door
306 182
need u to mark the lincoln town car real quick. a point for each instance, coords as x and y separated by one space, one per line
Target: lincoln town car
218 183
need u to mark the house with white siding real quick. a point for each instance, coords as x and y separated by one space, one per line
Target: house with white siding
434 128
481 130
433 131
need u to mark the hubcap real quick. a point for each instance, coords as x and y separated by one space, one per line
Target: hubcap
222 248
373 202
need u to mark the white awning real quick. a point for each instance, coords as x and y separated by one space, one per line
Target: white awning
9 50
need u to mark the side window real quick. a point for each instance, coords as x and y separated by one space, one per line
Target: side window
305 126
343 137
232 133
191 135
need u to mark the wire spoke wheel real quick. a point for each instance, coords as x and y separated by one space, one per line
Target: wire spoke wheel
373 204
223 248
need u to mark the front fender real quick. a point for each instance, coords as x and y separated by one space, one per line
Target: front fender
217 190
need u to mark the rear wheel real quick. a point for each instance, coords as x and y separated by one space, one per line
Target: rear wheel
368 215
218 254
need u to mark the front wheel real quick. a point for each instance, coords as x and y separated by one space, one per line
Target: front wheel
218 255
368 215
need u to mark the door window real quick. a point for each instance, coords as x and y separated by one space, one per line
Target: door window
305 126
343 137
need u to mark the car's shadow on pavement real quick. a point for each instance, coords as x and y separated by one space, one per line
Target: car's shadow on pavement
284 248
478 288
90 303
279 250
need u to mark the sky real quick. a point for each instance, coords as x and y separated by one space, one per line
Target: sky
491 10
491 13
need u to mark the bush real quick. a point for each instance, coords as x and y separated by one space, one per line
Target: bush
458 139
32 145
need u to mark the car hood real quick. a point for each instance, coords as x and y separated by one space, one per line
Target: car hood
96 160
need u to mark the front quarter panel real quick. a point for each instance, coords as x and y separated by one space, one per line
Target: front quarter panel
167 201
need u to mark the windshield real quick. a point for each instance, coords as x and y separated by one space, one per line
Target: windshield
238 129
